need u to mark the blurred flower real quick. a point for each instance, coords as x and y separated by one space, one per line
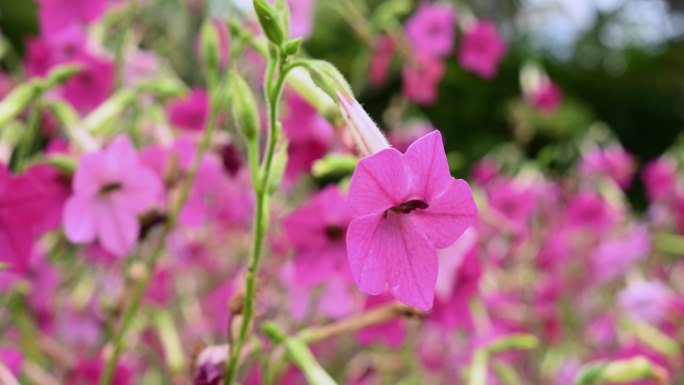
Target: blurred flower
402 137
317 230
646 301
614 257
392 333
588 211
481 49
140 66
309 136
431 28
421 79
89 370
111 188
190 112
55 15
22 208
613 162
301 17
13 360
383 51
404 207
210 365
92 85
545 96
660 178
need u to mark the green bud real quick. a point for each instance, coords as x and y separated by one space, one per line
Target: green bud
164 88
210 46
244 107
64 163
514 342
17 101
271 22
622 371
328 78
60 75
168 334
292 47
334 165
104 116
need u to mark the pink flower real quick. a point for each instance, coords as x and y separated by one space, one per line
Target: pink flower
392 333
383 51
421 79
481 49
588 211
546 96
660 178
646 301
366 135
613 162
404 207
91 86
612 258
431 29
55 15
301 17
310 136
111 188
22 208
89 370
317 230
12 359
191 112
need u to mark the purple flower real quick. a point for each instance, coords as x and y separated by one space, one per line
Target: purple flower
431 29
481 49
405 207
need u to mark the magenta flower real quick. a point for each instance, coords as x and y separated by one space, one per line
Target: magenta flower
404 207
317 230
660 178
55 15
92 86
111 188
481 49
613 162
191 112
546 96
12 359
301 17
22 208
421 79
431 29
383 51
646 301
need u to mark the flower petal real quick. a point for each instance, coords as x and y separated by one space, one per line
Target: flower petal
449 214
92 173
117 229
141 190
80 218
367 259
427 166
412 275
379 182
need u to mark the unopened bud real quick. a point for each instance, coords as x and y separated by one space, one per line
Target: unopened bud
271 22
244 107
17 101
292 47
61 74
210 46
365 133
328 78
279 164
210 365
105 115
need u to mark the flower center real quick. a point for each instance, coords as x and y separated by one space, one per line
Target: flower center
110 187
334 232
408 206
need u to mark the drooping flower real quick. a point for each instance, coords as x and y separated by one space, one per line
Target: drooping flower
431 29
190 112
111 188
55 15
481 49
317 230
421 79
404 207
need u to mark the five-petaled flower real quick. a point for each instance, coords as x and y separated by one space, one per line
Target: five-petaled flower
111 188
404 208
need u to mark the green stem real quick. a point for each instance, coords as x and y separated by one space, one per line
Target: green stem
273 93
132 307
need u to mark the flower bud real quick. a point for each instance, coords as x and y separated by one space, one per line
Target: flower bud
60 75
17 101
270 21
104 116
210 365
328 78
210 50
366 135
244 107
